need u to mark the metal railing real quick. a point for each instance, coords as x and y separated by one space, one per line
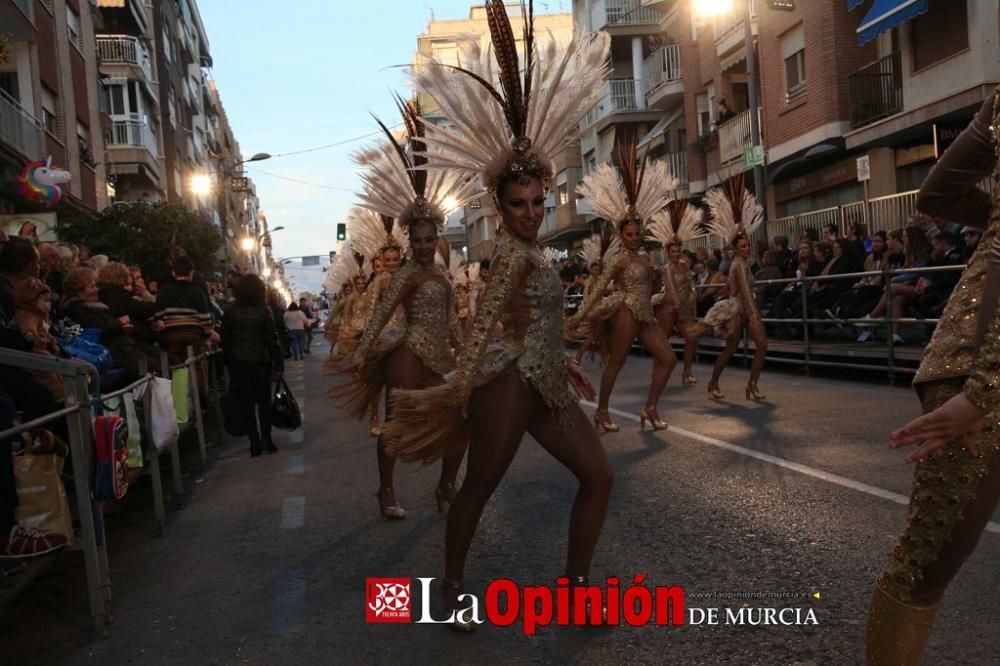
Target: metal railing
662 67
734 137
132 134
19 128
623 97
876 91
677 164
125 49
629 12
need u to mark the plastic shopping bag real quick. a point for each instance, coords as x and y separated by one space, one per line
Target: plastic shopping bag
41 496
163 415
181 378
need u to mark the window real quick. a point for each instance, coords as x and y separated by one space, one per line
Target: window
8 84
793 53
168 47
704 115
939 33
49 118
73 28
446 53
125 100
562 194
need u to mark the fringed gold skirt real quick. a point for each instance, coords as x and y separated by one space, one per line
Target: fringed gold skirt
367 383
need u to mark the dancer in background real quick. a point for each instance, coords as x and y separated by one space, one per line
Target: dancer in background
596 251
521 384
675 306
409 340
955 491
354 317
735 215
630 196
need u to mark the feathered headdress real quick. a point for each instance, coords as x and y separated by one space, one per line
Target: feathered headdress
396 186
679 222
634 192
551 255
372 234
599 247
341 271
514 131
734 211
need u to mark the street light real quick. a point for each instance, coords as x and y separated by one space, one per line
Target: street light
248 244
201 184
711 8
277 284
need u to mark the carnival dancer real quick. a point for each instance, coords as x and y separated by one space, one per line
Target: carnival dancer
679 223
521 384
596 250
354 316
954 493
735 215
629 197
464 282
409 340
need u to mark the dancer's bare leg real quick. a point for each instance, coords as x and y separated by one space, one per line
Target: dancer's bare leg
732 342
759 336
403 370
664 361
625 328
494 438
572 441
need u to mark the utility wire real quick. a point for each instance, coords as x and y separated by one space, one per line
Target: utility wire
302 182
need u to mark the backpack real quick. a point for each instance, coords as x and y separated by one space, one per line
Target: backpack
111 442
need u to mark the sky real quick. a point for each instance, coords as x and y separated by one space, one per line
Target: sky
299 74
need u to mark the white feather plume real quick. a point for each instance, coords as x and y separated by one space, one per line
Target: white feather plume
661 229
590 250
368 234
340 272
565 86
606 192
472 273
551 255
722 222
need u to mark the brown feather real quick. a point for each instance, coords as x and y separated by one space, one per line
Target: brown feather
505 50
677 208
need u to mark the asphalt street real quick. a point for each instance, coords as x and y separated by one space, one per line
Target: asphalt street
267 562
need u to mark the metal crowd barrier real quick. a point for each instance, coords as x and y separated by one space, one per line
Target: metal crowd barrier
78 412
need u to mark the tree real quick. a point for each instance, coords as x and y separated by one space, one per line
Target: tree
141 233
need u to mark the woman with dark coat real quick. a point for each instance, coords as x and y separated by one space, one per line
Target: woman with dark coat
252 353
114 284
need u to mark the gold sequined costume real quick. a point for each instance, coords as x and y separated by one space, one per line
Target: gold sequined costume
678 293
954 493
729 316
354 318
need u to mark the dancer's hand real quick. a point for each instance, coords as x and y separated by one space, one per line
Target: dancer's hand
580 382
957 419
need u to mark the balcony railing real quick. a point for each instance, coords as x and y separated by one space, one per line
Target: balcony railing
876 91
129 134
677 164
662 67
734 137
623 97
19 128
124 49
629 12
727 21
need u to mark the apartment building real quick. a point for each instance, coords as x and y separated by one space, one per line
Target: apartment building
48 106
473 228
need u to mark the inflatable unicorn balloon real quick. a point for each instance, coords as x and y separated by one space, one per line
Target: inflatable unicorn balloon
38 182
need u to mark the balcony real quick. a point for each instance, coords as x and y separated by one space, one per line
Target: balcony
19 128
876 91
662 77
734 137
124 50
677 165
132 134
621 101
728 28
623 13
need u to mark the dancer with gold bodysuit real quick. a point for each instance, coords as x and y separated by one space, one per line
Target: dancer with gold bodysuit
596 250
735 215
955 491
630 197
408 342
521 383
354 316
675 306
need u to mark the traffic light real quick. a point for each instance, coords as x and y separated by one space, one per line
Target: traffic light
341 231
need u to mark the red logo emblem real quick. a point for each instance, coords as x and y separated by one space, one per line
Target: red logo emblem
388 599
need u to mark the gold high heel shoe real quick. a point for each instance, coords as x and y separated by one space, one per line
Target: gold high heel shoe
714 391
687 377
393 512
452 590
649 414
753 393
606 423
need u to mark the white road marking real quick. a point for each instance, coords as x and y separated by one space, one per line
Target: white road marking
787 464
296 465
293 513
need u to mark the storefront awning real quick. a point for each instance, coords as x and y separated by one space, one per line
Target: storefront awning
886 15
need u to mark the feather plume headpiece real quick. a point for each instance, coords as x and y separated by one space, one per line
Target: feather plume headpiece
734 211
551 255
372 234
395 185
513 131
341 271
634 192
600 246
679 222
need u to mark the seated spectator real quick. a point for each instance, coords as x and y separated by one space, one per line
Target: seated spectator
866 292
823 294
831 233
933 289
788 304
139 289
51 264
971 236
857 234
727 260
784 257
19 260
902 287
98 261
769 271
32 307
810 235
183 308
717 288
113 289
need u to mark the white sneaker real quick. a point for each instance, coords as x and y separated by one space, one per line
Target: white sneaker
865 335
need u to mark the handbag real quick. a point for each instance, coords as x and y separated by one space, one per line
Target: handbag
85 346
285 412
41 496
233 419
